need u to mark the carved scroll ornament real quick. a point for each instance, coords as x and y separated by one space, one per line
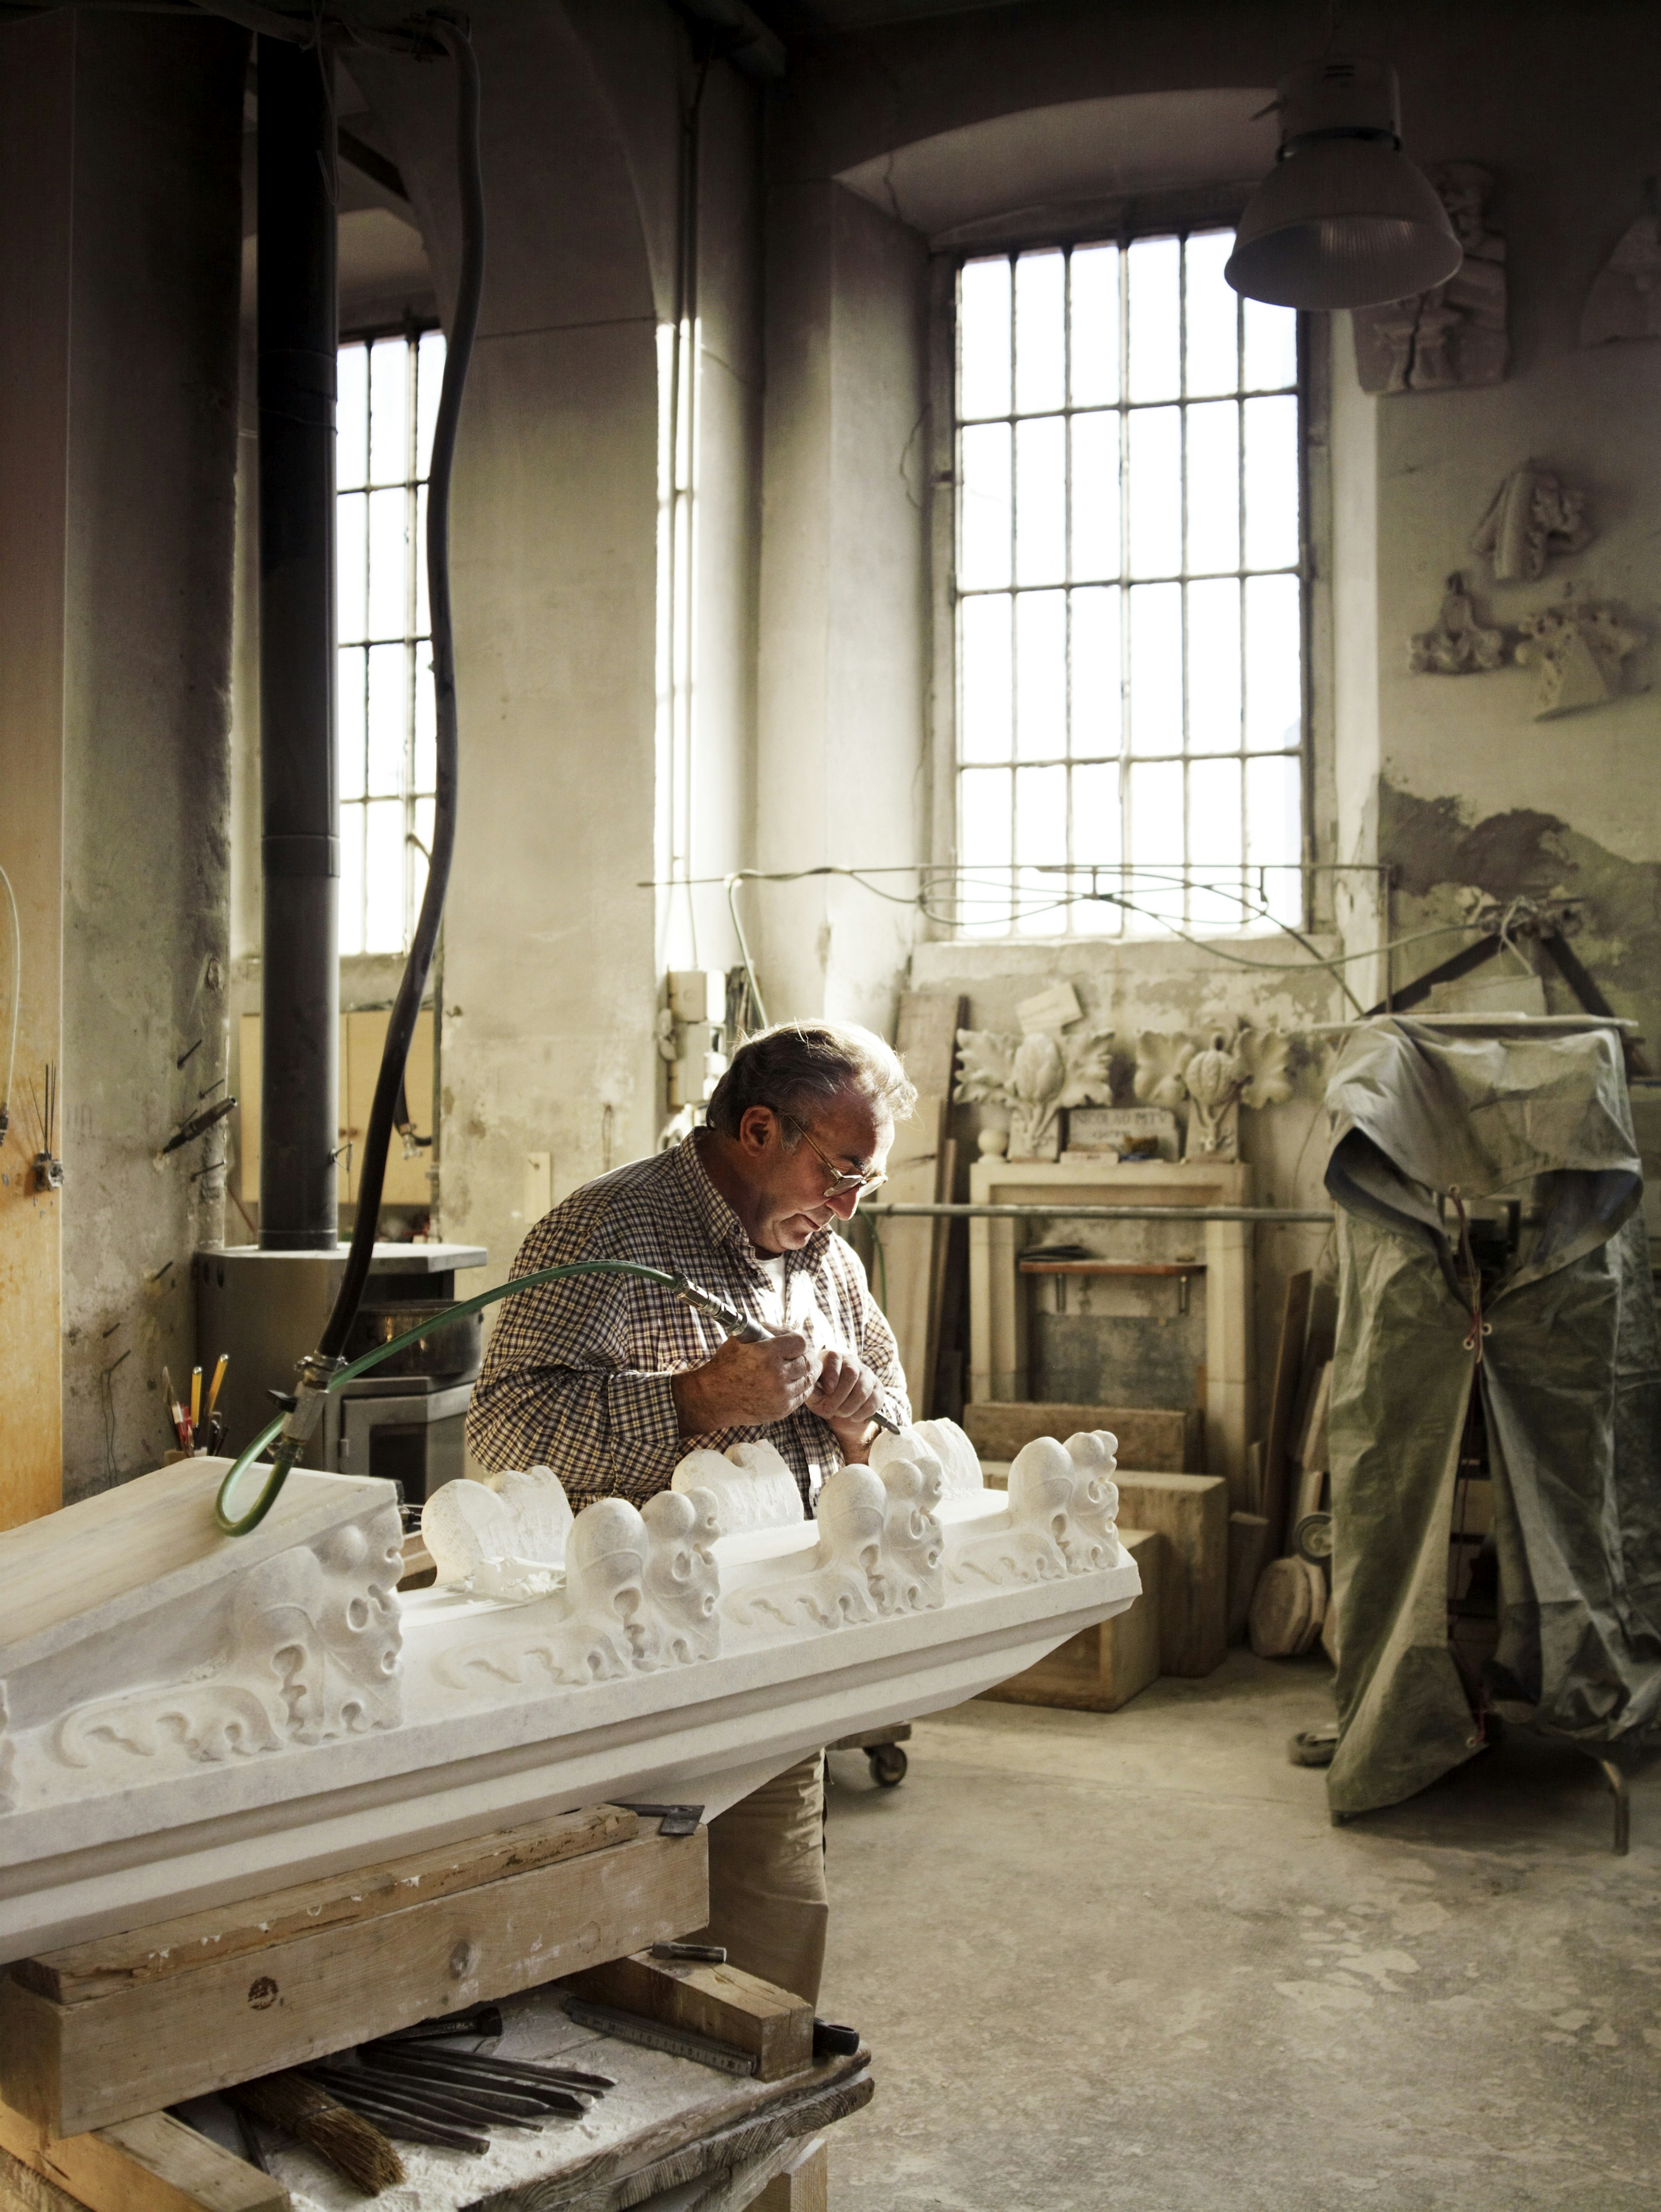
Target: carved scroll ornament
1532 516
311 1654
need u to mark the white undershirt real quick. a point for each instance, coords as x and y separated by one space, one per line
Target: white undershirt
773 1268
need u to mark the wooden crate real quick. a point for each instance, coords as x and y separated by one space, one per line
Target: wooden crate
1149 1435
1191 1512
1102 1668
103 2030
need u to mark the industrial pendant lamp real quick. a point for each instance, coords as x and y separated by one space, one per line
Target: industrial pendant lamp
1343 219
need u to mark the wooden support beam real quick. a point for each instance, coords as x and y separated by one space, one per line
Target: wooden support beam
106 1963
80 2066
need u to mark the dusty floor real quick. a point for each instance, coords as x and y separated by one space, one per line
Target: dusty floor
1125 1960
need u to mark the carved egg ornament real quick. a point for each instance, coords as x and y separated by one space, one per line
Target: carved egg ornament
1213 1074
1039 1069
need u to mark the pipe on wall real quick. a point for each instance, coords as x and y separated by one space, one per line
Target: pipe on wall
299 840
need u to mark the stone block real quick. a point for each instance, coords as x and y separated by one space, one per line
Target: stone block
1105 1667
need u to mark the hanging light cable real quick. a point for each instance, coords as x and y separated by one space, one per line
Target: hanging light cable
1343 219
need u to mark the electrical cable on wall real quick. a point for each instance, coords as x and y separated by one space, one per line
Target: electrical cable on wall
920 902
16 994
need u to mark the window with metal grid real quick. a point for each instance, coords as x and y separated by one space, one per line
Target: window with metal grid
1127 593
387 402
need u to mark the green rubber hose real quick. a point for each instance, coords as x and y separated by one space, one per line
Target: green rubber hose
286 1456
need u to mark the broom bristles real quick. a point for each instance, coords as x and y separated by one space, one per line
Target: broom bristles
351 2144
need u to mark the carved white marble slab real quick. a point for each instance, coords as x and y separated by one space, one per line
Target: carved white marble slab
192 1718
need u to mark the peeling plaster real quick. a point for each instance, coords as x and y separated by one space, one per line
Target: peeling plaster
1439 849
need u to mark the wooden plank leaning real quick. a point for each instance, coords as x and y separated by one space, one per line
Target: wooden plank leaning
151 2164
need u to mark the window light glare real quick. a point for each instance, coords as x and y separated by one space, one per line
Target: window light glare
1343 219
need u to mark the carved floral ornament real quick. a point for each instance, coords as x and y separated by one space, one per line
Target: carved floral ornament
1211 1073
1579 647
1036 1074
1215 1075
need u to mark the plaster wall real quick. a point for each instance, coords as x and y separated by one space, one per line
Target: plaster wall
841 772
1472 791
149 491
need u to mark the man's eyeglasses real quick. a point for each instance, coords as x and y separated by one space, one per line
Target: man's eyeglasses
842 1180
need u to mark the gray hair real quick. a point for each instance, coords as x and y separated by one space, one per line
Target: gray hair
794 1066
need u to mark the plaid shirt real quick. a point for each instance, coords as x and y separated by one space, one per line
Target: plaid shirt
577 1375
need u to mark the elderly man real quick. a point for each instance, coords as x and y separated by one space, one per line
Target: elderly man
609 1381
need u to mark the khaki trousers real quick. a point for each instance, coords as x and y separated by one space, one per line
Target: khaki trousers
768 1902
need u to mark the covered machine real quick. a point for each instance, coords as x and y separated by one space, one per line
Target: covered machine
1496 1335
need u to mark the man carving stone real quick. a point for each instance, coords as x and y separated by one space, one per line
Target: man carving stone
609 1382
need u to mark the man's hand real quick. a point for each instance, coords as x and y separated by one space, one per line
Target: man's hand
845 1395
744 1386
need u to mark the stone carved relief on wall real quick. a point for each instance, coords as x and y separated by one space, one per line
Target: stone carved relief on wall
1460 644
311 1656
1578 650
1532 517
1625 299
1038 1073
1215 1076
1455 335
1577 646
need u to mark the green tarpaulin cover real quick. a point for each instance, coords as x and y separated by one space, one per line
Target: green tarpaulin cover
1571 1383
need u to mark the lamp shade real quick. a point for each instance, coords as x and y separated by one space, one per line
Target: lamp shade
1343 219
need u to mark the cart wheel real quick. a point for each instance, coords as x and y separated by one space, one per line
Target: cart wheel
888 1764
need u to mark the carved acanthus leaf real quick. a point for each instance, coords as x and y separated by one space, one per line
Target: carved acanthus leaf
1266 1054
986 1066
1161 1059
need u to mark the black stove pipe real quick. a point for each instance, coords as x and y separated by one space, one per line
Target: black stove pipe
299 842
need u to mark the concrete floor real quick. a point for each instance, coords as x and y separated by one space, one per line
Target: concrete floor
1125 1960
